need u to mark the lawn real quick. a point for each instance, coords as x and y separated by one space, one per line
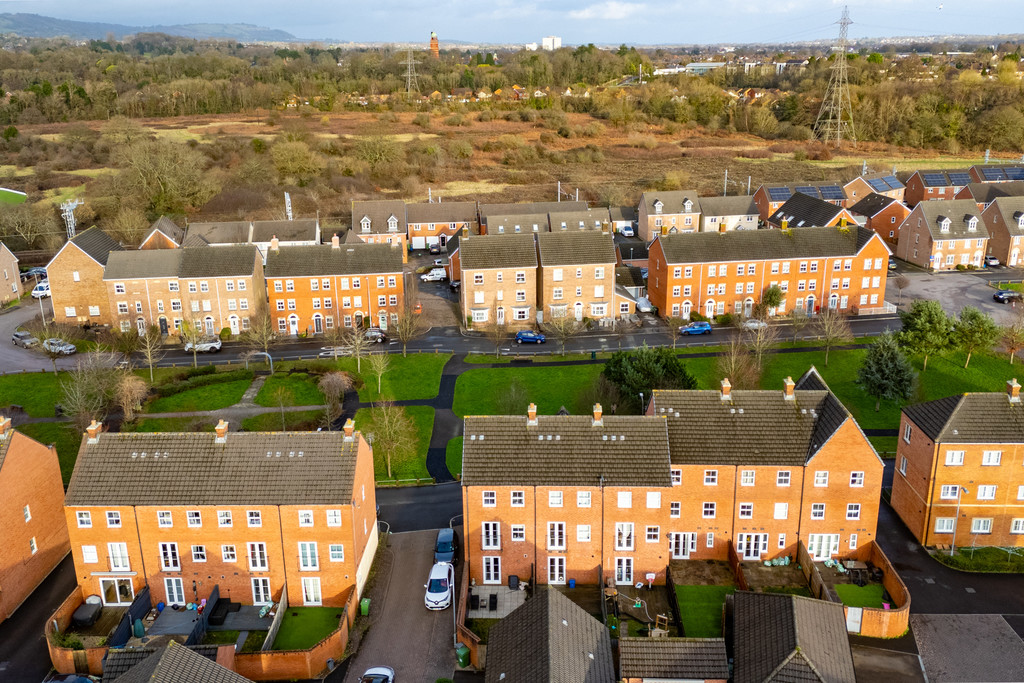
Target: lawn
414 464
303 420
482 391
987 559
701 609
802 591
298 388
416 376
304 627
481 627
484 359
220 638
11 196
855 596
36 392
453 457
64 436
885 445
210 397
254 641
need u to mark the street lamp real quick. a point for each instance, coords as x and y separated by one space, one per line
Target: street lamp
641 403
956 520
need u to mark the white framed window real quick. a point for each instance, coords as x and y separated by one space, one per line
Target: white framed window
1017 526
490 536
677 477
853 511
991 458
624 499
856 479
821 478
89 554
336 552
746 477
309 559
228 554
224 518
492 569
906 433
518 532
624 535
556 535
652 534
113 518
746 510
944 525
255 518
554 499
583 499
709 511
903 465
987 492
518 499
710 542
711 477
675 509
981 525
853 541
258 557
84 518
164 519
781 510
199 553
194 518
948 492
305 518
169 557
583 533
817 511
782 478
954 458
334 518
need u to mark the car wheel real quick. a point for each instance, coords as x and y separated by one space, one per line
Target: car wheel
519 341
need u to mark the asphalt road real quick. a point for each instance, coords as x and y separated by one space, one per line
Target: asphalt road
422 507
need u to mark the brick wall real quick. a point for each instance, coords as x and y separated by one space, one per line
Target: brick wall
10 277
79 294
564 279
889 220
483 296
348 305
1001 244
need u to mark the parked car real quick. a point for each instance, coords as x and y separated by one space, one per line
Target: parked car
376 335
754 324
434 249
456 285
209 345
892 264
1004 296
439 586
439 262
23 339
643 304
54 345
378 674
695 328
435 275
530 337
991 261
626 231
446 548
42 290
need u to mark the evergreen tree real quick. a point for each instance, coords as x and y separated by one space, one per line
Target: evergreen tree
646 369
974 331
886 372
926 329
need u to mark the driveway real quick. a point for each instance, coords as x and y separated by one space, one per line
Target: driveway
23 654
955 290
404 634
13 358
957 647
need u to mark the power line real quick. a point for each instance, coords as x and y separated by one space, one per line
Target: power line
410 74
836 116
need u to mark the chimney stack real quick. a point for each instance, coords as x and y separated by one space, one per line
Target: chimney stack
788 386
222 431
275 244
1013 390
597 415
721 227
726 390
465 232
785 224
350 429
842 222
5 427
93 430
531 414
335 242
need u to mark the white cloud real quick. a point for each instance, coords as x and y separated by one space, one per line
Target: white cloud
610 10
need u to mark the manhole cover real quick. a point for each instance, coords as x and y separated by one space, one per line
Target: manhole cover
929 580
969 589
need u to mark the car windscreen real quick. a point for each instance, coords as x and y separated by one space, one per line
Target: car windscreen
444 546
437 585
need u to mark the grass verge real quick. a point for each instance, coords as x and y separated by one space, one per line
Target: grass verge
481 391
411 465
220 637
415 376
453 457
36 392
298 389
210 397
701 609
303 420
857 596
988 559
304 627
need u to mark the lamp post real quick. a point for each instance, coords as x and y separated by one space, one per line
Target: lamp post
641 403
956 520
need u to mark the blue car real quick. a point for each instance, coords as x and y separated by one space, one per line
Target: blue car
696 328
529 337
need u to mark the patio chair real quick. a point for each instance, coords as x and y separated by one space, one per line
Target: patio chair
492 602
474 601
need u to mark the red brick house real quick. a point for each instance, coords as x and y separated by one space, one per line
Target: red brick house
381 221
1004 219
884 215
75 273
436 223
885 184
163 234
925 186
941 235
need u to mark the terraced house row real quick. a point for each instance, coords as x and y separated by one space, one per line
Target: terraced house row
620 497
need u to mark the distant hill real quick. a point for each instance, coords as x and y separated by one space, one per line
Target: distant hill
38 26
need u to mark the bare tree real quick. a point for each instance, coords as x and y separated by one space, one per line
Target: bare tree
123 342
799 320
394 433
282 397
833 328
739 365
130 390
620 328
262 332
379 364
408 326
192 332
335 338
358 344
674 325
761 340
89 389
495 331
1012 339
902 282
151 347
53 336
513 401
333 386
563 328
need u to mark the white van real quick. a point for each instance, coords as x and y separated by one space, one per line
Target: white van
435 275
42 290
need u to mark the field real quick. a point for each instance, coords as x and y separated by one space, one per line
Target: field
11 196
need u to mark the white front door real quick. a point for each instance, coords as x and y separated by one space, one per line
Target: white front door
233 322
140 325
492 570
293 324
681 545
175 589
117 591
209 326
1014 255
556 569
822 546
261 591
311 591
709 309
501 315
624 570
578 310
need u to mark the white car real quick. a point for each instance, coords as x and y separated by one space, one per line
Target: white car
754 324
42 290
991 261
54 345
626 231
378 674
205 346
643 305
439 586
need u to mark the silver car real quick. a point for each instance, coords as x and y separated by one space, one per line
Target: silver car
59 346
23 339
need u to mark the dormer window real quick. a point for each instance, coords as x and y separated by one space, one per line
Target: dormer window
365 224
944 224
658 206
972 223
1019 216
687 206
392 224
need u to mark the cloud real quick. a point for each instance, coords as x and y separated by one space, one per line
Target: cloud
610 10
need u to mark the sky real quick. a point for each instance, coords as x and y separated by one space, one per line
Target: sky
634 22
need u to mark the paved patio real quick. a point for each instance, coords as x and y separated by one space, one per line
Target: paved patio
760 577
508 600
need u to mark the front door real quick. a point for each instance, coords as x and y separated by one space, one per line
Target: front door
209 326
556 569
501 315
175 589
443 239
1014 255
681 545
233 323
748 308
163 326
117 591
751 546
293 324
578 310
624 570
318 324
261 591
311 591
140 325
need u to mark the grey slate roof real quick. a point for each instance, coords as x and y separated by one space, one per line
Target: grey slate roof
872 204
592 219
985 193
549 639
762 426
629 276
481 252
742 205
441 212
622 213
521 208
378 211
177 664
1010 210
747 245
788 638
187 262
298 230
220 232
802 210
167 227
120 661
673 201
96 244
958 211
498 224
673 658
573 248
259 468
347 259
627 450
970 418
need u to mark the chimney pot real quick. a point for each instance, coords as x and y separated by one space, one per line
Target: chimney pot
1013 390
275 243
350 428
597 415
5 427
93 430
785 224
531 414
788 386
721 227
726 389
335 242
222 431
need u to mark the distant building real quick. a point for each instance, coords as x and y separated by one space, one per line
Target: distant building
530 47
551 42
435 48
701 68
10 283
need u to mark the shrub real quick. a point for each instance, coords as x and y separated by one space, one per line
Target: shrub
388 117
547 137
820 153
508 141
225 334
421 120
593 130
485 116
565 131
696 317
800 154
642 141
754 154
725 319
68 640
456 120
460 149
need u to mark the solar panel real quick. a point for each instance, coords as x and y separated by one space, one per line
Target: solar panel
1015 173
960 178
934 179
993 174
779 194
893 181
832 192
807 189
879 185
